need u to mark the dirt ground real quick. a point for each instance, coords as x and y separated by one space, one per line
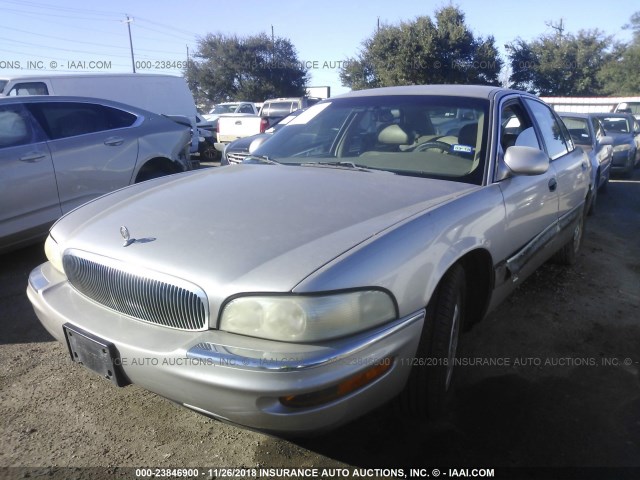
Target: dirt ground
552 379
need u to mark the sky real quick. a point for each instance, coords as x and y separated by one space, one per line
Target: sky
72 36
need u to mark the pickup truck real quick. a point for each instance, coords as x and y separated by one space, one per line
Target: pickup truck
234 126
629 107
230 107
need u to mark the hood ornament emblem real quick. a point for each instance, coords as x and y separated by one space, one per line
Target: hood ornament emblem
124 231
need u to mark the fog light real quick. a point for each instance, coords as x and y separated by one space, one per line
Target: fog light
351 384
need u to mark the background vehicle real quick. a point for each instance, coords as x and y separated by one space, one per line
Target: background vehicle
161 94
206 140
247 108
233 127
624 130
586 132
235 152
354 248
57 153
632 107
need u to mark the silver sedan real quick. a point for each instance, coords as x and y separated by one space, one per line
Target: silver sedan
363 244
57 153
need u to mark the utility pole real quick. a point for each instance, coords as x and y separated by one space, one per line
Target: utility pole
187 60
128 22
558 27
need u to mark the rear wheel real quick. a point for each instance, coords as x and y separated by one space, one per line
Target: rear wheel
430 382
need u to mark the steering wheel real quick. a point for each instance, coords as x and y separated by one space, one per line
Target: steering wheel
435 144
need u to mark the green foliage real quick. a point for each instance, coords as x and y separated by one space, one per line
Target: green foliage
621 74
559 64
589 63
424 52
252 69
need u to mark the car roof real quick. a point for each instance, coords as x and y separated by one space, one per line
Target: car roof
475 91
614 115
576 114
63 98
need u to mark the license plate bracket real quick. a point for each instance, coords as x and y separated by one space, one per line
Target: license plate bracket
96 354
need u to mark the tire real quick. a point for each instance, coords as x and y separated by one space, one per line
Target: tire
208 153
628 172
568 254
429 387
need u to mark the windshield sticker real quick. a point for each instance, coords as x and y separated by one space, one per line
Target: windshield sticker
462 148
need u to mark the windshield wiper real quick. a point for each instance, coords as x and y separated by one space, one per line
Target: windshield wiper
260 159
351 165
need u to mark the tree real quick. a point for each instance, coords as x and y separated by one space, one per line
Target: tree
621 74
252 68
424 51
559 64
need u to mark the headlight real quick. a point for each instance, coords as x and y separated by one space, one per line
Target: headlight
53 253
307 318
622 148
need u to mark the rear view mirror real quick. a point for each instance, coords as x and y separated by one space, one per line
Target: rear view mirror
526 160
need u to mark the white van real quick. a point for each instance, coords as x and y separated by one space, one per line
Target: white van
161 94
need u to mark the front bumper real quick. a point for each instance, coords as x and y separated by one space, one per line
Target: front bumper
232 377
621 161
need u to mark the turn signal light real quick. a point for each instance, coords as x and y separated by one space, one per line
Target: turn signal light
349 385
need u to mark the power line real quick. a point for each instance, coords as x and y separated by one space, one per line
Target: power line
61 49
60 8
165 33
87 43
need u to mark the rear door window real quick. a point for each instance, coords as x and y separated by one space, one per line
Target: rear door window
69 119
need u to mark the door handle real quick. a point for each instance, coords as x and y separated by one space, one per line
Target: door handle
238 122
32 157
553 184
114 141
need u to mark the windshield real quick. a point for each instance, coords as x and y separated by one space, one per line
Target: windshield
2 85
400 134
579 130
226 108
616 124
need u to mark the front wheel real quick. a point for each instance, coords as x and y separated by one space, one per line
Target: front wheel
430 381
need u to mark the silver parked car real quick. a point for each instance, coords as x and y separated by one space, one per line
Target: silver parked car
625 131
587 133
361 247
236 151
57 153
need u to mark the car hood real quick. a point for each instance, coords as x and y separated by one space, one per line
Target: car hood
248 227
621 138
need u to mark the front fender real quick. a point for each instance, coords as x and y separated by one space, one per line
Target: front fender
410 258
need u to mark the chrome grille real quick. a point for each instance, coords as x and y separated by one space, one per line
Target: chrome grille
236 157
139 293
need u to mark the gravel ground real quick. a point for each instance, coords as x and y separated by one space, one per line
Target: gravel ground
563 389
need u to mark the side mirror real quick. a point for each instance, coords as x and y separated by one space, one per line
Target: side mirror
606 140
526 160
